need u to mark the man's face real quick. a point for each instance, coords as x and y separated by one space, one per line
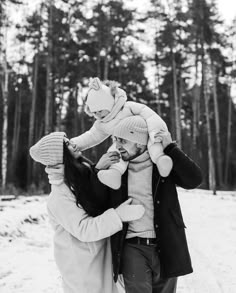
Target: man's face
128 149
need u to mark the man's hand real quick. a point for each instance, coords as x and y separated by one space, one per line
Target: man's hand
107 160
164 137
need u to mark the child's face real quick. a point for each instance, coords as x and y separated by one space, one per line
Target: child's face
99 115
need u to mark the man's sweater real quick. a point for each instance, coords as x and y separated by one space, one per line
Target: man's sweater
140 190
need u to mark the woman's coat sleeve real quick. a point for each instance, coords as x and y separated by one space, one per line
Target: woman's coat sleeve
64 211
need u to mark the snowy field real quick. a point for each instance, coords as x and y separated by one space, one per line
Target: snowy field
26 255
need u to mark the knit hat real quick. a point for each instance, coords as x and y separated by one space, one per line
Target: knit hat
99 96
49 149
133 128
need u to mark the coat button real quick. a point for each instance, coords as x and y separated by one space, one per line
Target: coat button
156 226
162 180
158 202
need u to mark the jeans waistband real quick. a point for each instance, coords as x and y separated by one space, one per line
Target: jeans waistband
142 241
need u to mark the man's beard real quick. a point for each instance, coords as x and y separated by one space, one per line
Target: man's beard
131 157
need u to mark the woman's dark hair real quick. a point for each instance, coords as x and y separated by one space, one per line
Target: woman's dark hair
82 181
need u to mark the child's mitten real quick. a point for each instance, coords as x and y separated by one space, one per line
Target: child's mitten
164 164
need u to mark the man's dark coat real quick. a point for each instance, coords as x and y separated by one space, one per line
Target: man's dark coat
168 221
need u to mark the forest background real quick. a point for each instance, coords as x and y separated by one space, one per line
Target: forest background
177 56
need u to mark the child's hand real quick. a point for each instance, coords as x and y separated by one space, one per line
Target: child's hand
107 160
164 137
157 137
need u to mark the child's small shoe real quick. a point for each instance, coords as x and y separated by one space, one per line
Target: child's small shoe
110 177
164 165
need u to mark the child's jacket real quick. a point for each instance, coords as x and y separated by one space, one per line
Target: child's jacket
102 129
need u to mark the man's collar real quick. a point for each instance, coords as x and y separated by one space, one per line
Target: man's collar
141 158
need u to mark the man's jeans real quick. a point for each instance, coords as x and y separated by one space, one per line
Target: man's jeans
141 271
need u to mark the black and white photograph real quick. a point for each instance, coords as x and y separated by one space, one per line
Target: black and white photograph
117 146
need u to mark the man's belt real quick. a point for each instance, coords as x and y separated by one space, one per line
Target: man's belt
142 241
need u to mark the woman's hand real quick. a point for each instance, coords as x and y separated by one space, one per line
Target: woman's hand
107 160
55 174
128 212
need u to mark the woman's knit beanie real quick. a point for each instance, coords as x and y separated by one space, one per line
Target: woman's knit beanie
133 128
99 96
49 149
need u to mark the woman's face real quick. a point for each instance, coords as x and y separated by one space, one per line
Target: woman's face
72 148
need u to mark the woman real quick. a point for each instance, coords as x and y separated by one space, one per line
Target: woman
79 214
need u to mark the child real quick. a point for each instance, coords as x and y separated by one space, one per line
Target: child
108 104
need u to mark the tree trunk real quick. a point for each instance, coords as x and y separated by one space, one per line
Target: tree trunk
4 85
228 142
60 105
75 128
120 71
176 101
32 117
196 111
196 106
180 101
206 97
106 67
157 88
158 95
82 115
49 90
16 135
217 125
211 166
157 82
1 127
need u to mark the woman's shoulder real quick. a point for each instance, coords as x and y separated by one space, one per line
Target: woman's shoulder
60 193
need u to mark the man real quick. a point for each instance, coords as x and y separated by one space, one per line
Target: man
151 252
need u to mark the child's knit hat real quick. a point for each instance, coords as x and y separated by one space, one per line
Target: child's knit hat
49 149
99 96
133 128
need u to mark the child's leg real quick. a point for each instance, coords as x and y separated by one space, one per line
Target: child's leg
112 176
164 163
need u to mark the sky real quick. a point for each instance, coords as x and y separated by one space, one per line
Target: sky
227 9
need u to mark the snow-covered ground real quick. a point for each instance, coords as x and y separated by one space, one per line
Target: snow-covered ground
26 255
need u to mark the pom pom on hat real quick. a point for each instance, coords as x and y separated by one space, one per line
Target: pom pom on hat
99 96
133 128
49 149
